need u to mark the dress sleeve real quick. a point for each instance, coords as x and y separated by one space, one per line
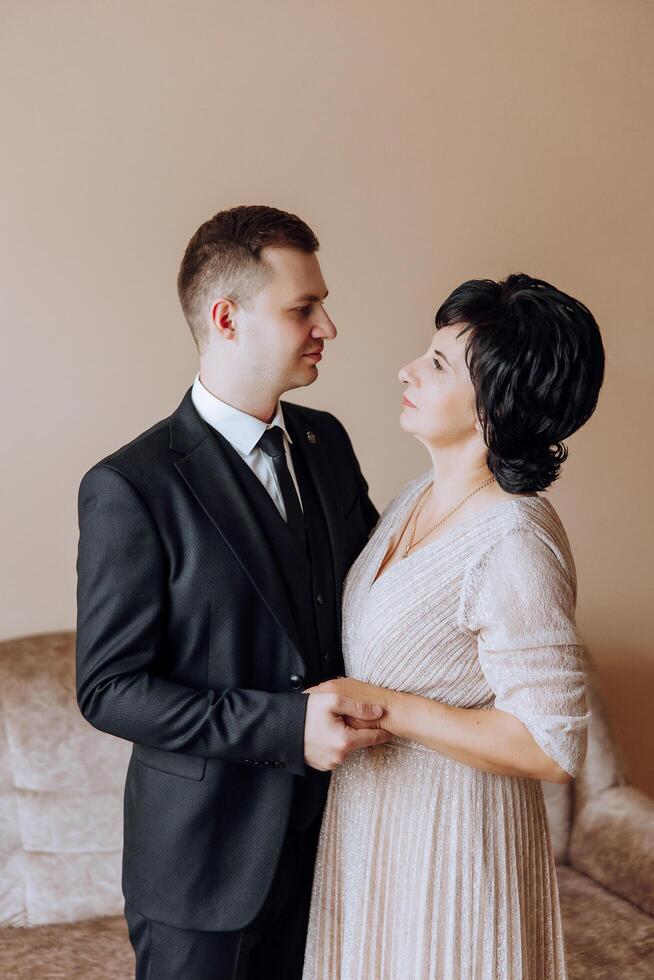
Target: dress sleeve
518 599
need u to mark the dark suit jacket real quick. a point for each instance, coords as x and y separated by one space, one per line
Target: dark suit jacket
186 647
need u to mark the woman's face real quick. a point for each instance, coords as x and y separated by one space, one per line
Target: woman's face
439 400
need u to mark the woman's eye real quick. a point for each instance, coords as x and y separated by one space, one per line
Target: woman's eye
437 364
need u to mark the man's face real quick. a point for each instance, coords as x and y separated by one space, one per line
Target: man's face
284 327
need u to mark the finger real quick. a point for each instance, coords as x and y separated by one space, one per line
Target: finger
358 709
364 737
356 723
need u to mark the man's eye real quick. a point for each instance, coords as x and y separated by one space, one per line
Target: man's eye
304 310
437 364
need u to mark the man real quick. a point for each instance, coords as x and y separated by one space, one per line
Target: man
212 553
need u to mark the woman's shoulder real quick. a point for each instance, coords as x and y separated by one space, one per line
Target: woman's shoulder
523 572
536 516
527 533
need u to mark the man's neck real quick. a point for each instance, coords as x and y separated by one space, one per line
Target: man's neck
261 405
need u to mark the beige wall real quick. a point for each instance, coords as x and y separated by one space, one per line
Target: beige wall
427 143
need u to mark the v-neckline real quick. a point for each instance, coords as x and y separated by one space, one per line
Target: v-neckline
443 537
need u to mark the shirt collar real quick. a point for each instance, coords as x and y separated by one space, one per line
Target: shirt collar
243 431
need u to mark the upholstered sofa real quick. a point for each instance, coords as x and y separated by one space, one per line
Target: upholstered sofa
60 837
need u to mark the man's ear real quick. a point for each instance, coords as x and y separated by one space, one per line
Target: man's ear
223 315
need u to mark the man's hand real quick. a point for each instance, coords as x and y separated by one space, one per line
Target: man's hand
361 692
328 739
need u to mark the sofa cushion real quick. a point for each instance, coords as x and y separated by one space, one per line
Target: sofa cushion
96 949
12 887
611 842
61 790
605 937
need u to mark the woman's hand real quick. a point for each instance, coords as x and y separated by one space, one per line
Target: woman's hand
359 691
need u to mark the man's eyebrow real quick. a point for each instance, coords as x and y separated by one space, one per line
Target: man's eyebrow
310 298
441 354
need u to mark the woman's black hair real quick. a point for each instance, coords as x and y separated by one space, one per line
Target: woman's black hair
536 361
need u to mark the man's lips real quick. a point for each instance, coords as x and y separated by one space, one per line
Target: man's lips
405 401
314 354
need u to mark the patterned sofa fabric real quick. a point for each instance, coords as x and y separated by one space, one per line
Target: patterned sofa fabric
61 786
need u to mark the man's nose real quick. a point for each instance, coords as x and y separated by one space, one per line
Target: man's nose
324 327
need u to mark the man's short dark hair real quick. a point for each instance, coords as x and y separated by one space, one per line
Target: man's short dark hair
223 259
536 361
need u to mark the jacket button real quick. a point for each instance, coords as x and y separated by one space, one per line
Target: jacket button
319 599
296 681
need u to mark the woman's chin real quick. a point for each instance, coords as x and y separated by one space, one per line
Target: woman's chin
406 421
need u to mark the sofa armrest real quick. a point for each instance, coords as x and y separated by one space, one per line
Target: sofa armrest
612 841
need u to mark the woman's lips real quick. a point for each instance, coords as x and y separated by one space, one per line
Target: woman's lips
405 401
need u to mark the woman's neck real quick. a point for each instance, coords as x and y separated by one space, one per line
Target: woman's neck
454 477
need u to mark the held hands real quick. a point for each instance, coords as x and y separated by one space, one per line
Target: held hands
342 715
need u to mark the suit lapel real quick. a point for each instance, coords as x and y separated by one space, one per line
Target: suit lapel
207 467
321 467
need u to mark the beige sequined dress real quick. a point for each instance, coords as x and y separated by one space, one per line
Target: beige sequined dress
427 867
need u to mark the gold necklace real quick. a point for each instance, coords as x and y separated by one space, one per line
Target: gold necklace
414 520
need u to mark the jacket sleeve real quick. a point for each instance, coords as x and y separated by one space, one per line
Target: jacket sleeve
121 639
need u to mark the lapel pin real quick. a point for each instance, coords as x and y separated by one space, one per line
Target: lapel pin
311 437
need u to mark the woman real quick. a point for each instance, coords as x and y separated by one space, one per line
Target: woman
435 859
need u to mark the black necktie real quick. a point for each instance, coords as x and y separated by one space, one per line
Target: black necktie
272 443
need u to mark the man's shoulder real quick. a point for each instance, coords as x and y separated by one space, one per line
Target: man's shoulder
321 420
142 456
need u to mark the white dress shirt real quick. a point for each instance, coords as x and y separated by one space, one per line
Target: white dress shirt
243 432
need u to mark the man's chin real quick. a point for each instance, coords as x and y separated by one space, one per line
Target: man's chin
300 379
309 372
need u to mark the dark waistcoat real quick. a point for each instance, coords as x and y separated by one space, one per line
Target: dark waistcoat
308 579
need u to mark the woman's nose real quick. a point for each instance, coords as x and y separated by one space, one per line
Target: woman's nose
406 374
